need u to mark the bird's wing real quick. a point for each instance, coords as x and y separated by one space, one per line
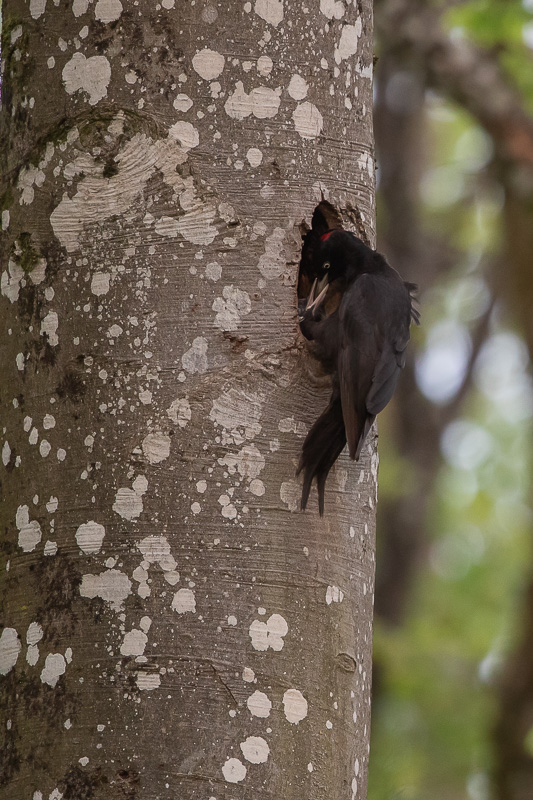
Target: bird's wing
374 331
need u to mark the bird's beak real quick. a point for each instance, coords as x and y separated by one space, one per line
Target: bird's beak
313 303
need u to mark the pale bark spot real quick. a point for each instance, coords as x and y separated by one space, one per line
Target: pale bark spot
255 749
112 586
195 358
229 511
208 64
28 176
80 7
100 283
37 8
268 634
249 462
114 331
308 120
269 10
196 226
179 412
6 454
156 447
107 11
248 675
49 327
10 647
98 198
365 72
238 413
16 33
52 505
332 9
273 263
147 681
90 537
134 643
156 550
44 448
262 102
11 280
366 163
259 704
349 41
290 425
257 488
128 502
184 601
334 595
186 134
167 226
38 273
92 75
213 271
254 156
233 304
264 66
298 87
182 102
209 14
234 770
294 706
30 533
34 633
54 666
290 494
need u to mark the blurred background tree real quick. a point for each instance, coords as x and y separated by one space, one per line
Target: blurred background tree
453 677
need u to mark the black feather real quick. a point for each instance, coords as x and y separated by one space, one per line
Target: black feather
361 343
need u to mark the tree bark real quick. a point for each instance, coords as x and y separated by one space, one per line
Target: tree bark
173 626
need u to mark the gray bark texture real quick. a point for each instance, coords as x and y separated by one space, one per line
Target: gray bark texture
173 625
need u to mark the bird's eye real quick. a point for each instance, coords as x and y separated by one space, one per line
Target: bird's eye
326 265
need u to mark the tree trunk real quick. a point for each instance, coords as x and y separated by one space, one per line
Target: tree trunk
173 625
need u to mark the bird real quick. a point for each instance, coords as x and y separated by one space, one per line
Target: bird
357 316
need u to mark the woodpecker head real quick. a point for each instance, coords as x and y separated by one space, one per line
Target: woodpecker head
343 256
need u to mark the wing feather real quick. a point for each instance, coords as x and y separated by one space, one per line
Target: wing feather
374 331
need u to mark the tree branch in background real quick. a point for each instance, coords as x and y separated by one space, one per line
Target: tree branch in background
467 74
473 78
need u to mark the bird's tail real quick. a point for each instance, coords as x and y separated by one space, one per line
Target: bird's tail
322 446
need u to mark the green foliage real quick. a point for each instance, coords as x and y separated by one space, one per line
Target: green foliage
506 27
432 723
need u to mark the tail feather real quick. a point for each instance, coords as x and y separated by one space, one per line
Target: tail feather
368 424
323 445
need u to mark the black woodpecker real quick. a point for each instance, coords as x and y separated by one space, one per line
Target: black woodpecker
361 343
